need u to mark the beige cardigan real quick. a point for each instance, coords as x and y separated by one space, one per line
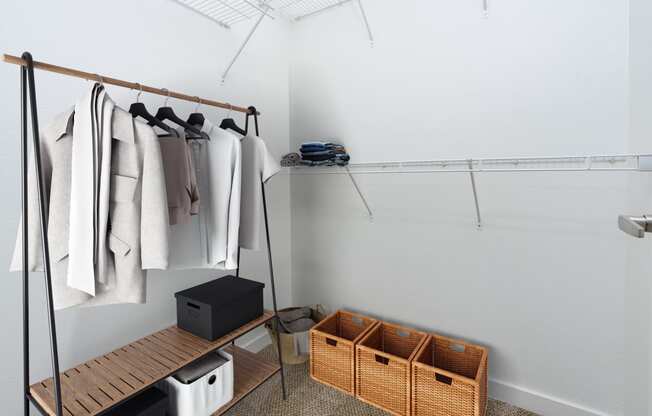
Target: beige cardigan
137 234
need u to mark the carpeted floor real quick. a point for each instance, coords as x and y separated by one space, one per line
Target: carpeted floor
309 398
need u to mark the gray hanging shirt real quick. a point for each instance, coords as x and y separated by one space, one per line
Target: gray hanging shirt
180 179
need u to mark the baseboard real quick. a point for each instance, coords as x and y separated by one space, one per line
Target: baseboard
538 402
257 343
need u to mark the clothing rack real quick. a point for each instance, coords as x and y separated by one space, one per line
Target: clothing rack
89 389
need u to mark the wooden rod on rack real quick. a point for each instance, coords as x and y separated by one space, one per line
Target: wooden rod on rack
120 83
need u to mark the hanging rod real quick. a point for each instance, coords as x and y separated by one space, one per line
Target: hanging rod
602 163
120 83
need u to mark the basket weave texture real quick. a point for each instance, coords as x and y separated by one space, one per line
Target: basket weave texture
332 349
449 378
383 359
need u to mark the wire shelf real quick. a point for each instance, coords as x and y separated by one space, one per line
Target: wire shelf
229 12
300 9
226 12
528 164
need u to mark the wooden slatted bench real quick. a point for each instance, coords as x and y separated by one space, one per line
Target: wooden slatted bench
98 385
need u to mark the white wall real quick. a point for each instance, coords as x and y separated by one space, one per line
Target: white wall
546 285
638 295
157 43
543 285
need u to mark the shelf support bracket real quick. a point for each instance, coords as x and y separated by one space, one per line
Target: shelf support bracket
244 44
475 195
360 194
366 23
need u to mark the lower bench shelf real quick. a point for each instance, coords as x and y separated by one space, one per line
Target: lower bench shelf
251 371
96 386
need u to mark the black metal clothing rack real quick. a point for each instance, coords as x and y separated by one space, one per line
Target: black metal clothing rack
28 94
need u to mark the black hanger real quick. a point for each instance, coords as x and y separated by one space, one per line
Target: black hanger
229 124
167 113
138 109
252 112
197 119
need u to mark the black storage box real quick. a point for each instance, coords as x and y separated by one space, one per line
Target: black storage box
216 308
151 402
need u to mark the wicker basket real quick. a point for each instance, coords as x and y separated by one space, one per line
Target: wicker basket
449 378
332 349
383 367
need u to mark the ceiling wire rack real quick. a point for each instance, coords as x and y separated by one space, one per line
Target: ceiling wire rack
592 163
297 10
227 13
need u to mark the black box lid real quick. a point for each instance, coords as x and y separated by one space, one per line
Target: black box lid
221 290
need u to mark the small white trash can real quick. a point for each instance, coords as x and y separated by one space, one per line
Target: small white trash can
203 389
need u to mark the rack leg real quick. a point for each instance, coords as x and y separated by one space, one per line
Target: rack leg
44 232
237 271
23 200
271 273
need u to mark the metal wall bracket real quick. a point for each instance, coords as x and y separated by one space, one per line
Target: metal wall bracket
263 14
475 196
366 23
302 9
360 194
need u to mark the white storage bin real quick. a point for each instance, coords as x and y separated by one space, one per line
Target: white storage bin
203 396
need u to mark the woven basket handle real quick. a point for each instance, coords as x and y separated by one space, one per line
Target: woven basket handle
330 341
381 359
443 379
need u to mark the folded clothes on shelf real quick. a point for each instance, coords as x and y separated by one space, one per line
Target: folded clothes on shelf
322 153
290 160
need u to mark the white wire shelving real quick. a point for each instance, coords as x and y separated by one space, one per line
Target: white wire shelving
301 9
599 163
230 12
634 162
226 13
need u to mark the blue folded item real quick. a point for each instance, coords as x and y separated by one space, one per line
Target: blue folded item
311 149
320 146
316 157
319 153
315 143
